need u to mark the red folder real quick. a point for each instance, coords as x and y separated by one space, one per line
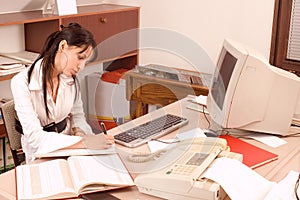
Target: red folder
253 156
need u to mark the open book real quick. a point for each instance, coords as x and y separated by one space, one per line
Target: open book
61 179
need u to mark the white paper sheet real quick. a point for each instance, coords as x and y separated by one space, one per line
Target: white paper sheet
193 133
52 142
238 180
157 145
285 188
66 7
267 139
201 99
197 107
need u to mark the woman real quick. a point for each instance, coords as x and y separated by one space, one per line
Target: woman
47 97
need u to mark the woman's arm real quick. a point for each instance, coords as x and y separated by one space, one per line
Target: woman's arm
28 102
78 120
99 141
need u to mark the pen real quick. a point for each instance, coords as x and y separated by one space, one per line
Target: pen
103 128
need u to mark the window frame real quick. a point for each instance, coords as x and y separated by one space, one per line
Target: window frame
280 37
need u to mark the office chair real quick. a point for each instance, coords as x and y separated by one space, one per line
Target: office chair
14 137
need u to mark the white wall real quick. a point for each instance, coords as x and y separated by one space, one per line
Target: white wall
175 33
197 24
206 23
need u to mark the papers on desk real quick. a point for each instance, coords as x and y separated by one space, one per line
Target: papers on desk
59 147
157 145
285 188
197 107
240 182
201 99
198 103
270 140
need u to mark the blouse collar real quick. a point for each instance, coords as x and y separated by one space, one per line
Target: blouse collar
36 81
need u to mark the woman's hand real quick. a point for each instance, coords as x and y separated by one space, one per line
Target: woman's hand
78 132
99 141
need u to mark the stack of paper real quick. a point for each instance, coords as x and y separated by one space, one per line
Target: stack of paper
25 57
296 122
10 66
11 63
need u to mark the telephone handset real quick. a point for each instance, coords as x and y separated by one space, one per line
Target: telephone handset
140 157
182 179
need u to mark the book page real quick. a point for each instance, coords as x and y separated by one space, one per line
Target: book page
98 172
44 180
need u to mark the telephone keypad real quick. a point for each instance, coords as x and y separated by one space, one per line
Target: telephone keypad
183 170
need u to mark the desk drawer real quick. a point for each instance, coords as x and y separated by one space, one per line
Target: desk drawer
160 94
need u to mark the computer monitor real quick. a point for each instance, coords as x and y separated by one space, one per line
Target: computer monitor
248 93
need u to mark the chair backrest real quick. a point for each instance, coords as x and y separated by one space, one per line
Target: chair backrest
14 137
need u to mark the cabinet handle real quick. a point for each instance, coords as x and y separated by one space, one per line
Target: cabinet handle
103 20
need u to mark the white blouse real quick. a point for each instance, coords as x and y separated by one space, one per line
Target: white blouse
30 108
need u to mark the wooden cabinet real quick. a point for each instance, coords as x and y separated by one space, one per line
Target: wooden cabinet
115 33
36 34
114 27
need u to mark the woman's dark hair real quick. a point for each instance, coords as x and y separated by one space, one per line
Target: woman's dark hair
75 35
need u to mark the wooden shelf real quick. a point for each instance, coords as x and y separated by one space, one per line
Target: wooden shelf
37 16
116 36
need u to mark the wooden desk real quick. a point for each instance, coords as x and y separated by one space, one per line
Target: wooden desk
289 154
143 90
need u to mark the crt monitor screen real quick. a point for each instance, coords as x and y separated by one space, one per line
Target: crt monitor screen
248 93
222 76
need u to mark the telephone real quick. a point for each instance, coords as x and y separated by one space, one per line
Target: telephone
183 179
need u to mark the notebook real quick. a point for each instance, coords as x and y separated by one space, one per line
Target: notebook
253 156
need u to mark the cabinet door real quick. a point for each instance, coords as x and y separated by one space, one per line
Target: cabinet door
115 32
36 34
